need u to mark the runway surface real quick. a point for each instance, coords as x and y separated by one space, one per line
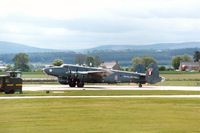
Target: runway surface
107 87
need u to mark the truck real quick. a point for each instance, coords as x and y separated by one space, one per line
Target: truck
11 82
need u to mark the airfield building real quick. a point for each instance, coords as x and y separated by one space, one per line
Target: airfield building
189 66
114 65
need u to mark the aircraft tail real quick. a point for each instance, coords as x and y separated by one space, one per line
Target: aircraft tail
152 74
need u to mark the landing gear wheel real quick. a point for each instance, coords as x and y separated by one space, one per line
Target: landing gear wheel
72 83
140 85
80 84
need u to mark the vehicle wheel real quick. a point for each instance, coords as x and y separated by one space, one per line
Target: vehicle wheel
80 84
10 92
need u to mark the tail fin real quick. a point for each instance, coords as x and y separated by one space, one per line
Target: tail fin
152 74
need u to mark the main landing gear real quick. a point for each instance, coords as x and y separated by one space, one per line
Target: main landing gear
76 82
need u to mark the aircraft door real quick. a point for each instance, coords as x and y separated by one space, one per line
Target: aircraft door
116 78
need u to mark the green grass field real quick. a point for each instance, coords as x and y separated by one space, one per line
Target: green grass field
34 75
104 115
100 115
180 79
103 93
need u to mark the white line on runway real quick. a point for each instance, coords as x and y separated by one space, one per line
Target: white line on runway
78 97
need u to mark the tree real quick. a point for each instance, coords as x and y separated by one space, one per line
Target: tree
145 60
176 60
21 61
137 60
80 59
97 60
93 61
162 68
148 60
196 56
57 62
186 57
90 61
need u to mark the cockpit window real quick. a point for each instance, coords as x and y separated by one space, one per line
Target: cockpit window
66 67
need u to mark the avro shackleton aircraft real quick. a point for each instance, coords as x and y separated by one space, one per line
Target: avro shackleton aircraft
76 75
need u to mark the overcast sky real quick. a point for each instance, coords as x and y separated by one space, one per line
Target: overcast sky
75 24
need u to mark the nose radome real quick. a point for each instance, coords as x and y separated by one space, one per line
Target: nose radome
46 70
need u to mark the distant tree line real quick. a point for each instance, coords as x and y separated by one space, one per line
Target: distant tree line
163 57
128 58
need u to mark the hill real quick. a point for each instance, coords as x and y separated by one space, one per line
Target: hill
9 47
124 56
159 46
163 53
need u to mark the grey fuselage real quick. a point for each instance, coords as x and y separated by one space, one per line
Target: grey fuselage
94 74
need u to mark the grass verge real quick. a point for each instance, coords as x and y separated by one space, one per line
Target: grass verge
100 115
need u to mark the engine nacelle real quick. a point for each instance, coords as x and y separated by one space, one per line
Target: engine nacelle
63 81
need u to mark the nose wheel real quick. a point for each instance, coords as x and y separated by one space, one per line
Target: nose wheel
140 85
80 84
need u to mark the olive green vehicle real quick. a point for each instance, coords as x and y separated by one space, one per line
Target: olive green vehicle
11 82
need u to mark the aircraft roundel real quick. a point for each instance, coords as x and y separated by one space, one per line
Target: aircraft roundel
150 71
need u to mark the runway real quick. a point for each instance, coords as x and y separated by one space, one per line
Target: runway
104 87
108 87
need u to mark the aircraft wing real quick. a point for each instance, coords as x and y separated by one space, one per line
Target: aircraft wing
97 73
141 74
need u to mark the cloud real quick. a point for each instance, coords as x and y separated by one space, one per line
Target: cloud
88 23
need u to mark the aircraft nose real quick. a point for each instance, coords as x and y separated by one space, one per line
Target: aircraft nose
46 70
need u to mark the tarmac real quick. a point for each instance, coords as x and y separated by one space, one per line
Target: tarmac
108 87
104 87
